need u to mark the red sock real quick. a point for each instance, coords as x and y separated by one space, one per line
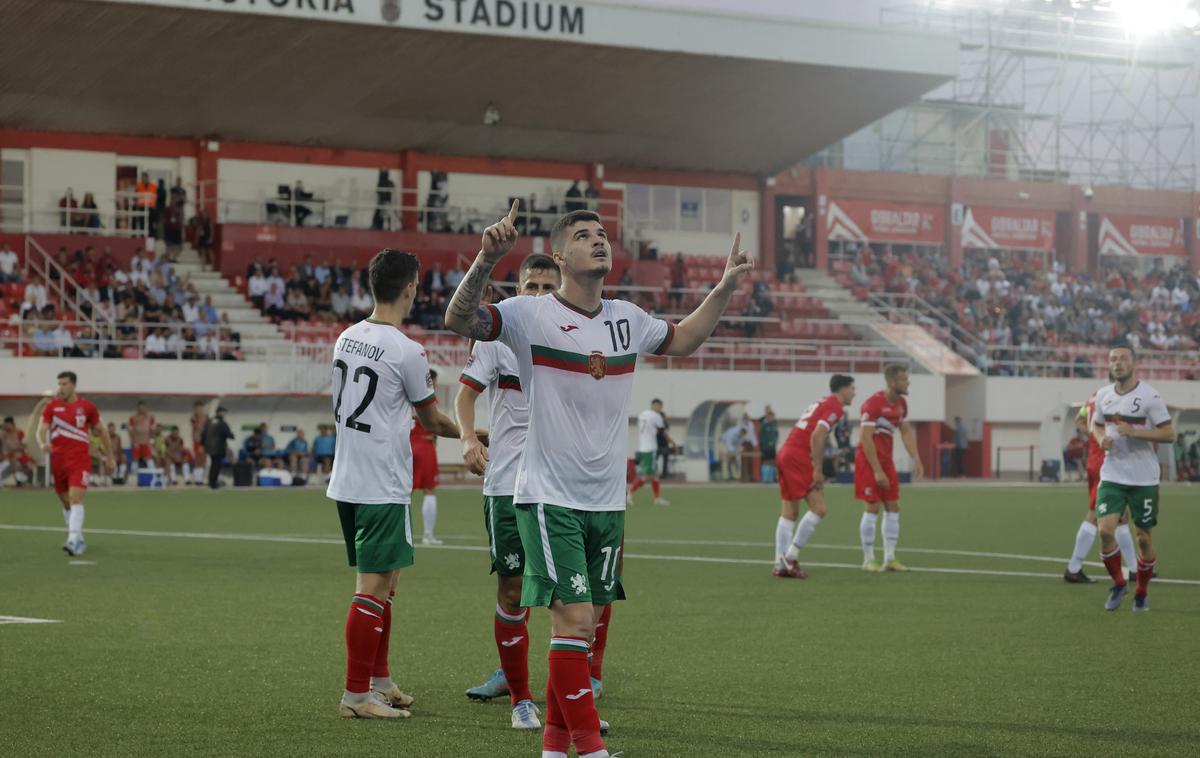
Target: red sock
364 627
512 643
637 484
380 669
655 487
1112 562
556 738
569 675
1145 572
600 642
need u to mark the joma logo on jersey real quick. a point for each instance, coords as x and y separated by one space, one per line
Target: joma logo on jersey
597 365
568 328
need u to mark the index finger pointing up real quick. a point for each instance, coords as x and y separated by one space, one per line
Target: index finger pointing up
737 244
512 214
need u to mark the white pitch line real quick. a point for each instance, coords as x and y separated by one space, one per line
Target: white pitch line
483 548
25 620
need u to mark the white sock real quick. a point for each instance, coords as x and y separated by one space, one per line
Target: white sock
553 754
891 535
75 523
1128 551
1084 539
67 520
382 683
808 525
783 535
597 754
355 698
429 514
866 532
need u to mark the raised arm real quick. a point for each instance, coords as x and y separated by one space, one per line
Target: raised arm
464 314
691 333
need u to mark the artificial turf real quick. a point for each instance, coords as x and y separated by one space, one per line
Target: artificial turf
186 646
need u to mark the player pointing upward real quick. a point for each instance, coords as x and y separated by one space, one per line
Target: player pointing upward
576 354
1130 417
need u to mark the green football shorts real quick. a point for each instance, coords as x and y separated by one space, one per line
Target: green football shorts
504 539
574 556
645 464
378 535
1113 499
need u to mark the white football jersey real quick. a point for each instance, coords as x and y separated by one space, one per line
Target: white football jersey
576 371
1131 461
379 376
492 366
649 422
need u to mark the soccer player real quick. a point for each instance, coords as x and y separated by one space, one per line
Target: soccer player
650 424
576 354
1086 536
801 477
1130 417
141 427
492 366
883 415
425 474
199 455
379 377
176 459
63 433
14 458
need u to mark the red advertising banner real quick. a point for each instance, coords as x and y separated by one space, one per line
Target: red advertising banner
881 221
1141 235
1006 228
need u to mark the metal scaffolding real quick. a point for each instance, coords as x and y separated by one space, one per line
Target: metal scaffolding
1046 92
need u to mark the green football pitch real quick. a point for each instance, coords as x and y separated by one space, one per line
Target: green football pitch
203 624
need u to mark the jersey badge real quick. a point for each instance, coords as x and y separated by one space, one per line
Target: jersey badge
597 365
513 561
579 584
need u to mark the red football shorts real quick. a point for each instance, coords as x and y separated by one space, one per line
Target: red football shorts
795 470
198 450
141 453
70 473
1093 485
425 468
867 489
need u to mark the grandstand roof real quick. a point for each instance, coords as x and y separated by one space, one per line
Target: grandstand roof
628 86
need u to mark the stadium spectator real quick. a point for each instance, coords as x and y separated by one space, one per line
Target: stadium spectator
301 212
202 234
592 195
573 200
146 193
297 454
433 282
8 265
273 301
323 447
678 280
67 202
156 344
90 218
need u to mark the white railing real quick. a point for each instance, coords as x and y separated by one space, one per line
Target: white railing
1085 361
122 219
60 286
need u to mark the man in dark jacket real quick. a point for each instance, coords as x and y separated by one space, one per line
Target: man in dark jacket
216 438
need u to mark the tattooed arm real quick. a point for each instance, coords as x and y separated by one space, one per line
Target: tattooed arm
464 314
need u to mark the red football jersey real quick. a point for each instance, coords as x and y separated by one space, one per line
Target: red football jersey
422 440
69 425
825 412
882 418
1095 453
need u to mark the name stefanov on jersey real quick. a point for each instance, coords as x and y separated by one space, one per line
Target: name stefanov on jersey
356 347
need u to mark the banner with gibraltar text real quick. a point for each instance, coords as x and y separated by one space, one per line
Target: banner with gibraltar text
1141 235
1006 228
881 221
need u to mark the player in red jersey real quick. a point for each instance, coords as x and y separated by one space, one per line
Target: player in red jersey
801 478
141 427
63 433
884 415
1086 536
425 474
199 454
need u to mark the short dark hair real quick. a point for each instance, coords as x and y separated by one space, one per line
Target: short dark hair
433 372
559 232
838 381
656 401
538 262
69 375
894 370
9 420
389 272
1124 346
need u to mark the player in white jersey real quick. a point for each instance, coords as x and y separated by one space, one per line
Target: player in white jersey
650 424
379 377
1129 418
493 367
576 354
